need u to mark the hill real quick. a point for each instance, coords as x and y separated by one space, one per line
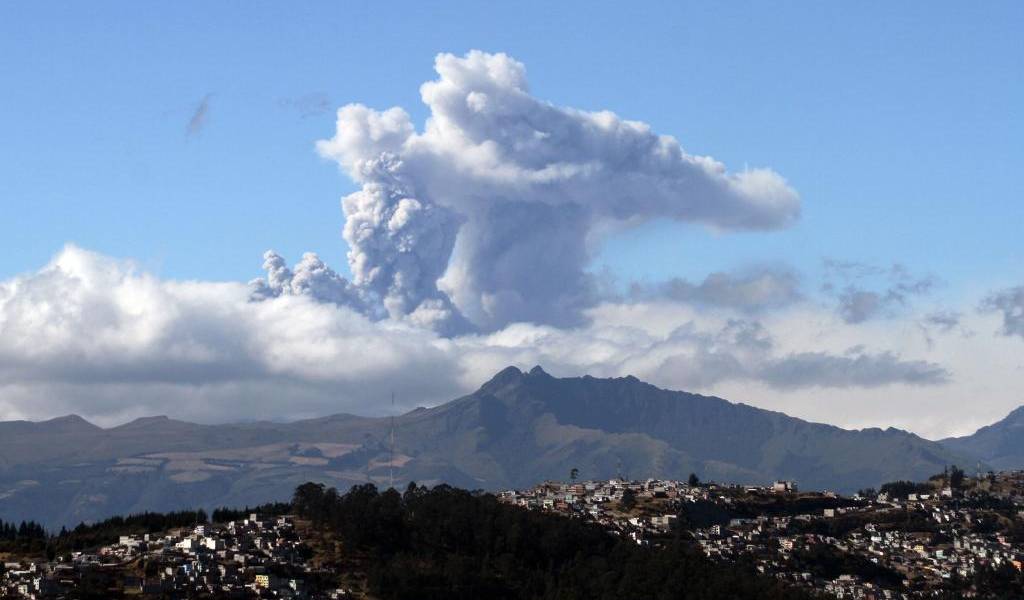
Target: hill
999 445
517 429
447 543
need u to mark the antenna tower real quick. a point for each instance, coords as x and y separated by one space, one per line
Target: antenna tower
391 458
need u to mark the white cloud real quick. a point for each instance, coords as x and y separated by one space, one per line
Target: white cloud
501 190
97 336
96 328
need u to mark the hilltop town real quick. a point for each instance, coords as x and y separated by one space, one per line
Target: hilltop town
253 557
950 535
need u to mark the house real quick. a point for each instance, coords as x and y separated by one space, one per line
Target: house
663 522
784 486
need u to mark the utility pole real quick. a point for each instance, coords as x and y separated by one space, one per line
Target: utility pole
391 458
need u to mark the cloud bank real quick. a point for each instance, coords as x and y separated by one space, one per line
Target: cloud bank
97 336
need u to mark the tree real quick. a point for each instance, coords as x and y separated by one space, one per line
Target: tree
308 500
460 545
574 473
956 477
412 491
628 499
694 481
902 488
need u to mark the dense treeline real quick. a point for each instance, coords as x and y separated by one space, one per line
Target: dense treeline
272 509
953 476
32 538
901 489
450 543
25 537
29 529
84 537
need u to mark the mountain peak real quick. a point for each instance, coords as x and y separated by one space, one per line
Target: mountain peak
145 422
1000 444
66 419
537 371
504 377
68 423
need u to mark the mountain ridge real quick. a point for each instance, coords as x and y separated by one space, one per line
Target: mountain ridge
518 428
1000 444
503 374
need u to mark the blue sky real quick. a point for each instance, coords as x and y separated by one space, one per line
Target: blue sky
899 124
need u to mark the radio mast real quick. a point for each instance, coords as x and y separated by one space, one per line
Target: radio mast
391 458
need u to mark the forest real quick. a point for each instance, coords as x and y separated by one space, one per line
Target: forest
31 539
450 543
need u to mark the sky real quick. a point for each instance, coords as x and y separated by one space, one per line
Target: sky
807 207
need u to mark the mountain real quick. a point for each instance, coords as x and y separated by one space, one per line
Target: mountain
523 427
1000 445
517 429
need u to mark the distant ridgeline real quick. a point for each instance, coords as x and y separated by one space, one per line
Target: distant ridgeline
517 429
